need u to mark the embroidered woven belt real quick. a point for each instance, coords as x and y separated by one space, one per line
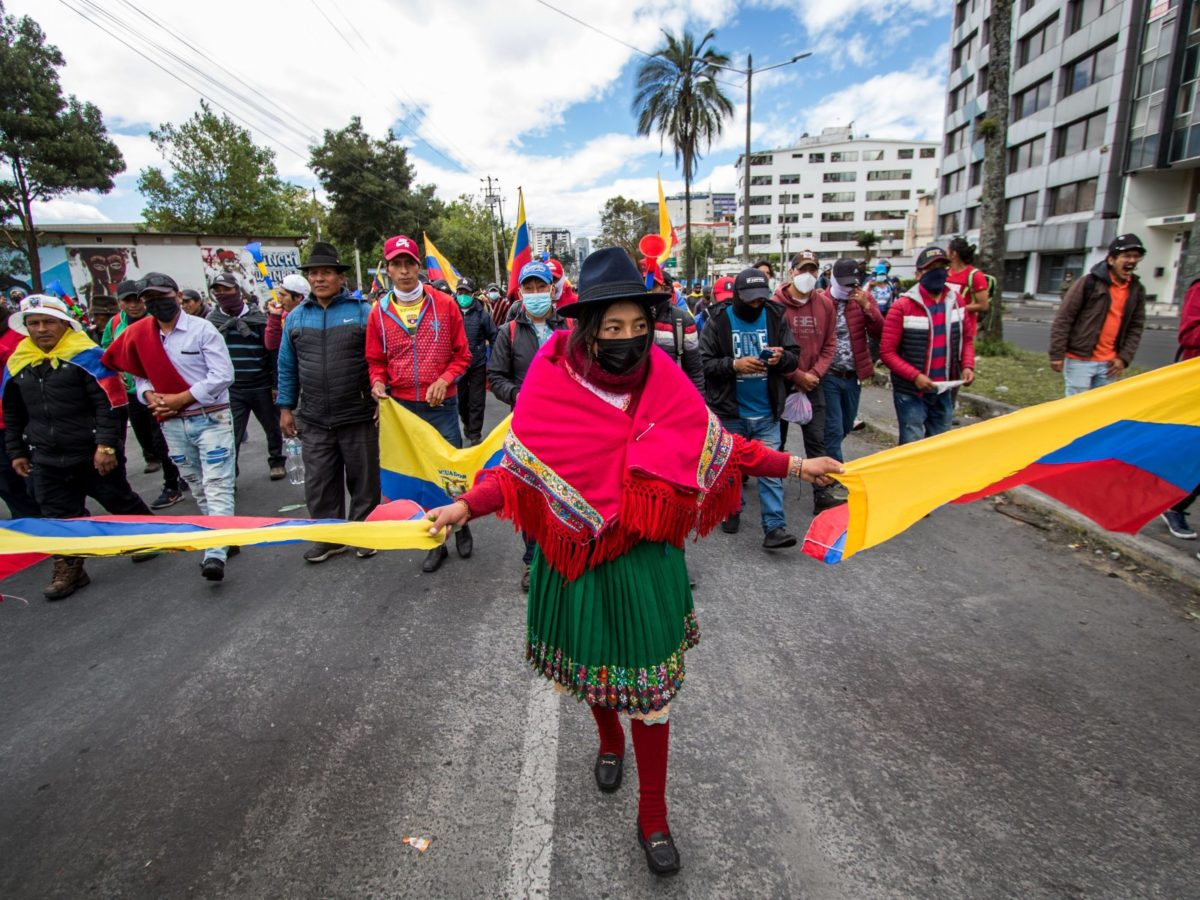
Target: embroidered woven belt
202 410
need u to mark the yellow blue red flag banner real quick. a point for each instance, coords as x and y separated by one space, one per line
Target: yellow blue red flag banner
437 266
1120 455
665 229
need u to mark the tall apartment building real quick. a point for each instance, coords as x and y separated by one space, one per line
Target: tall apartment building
552 239
707 207
1075 133
827 189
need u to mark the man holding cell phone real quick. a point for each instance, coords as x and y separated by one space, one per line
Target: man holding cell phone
748 351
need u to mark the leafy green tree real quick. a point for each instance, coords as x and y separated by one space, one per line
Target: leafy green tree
49 144
222 183
867 240
464 236
678 97
624 222
369 183
699 253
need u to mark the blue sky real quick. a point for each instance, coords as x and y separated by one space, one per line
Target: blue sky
511 89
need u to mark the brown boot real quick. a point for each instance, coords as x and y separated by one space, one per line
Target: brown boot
68 577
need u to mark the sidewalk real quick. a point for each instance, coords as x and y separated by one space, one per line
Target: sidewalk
1153 547
1043 312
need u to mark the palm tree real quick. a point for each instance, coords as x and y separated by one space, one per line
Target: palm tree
867 240
678 97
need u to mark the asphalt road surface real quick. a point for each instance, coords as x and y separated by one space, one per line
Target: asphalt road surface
969 710
1156 349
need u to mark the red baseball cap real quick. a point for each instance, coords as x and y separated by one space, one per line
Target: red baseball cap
400 244
723 288
556 268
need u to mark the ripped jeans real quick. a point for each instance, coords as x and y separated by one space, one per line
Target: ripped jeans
203 449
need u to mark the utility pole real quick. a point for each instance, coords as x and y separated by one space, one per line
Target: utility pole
746 168
358 267
491 198
316 213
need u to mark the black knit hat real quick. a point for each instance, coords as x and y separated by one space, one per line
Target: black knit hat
323 255
606 276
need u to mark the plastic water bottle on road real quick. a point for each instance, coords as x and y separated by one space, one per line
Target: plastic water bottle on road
295 462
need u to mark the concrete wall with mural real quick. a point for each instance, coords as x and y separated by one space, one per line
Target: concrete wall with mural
88 264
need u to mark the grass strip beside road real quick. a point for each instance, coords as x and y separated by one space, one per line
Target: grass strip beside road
1018 377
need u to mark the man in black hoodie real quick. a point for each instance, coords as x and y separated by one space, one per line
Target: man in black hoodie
253 388
748 351
472 386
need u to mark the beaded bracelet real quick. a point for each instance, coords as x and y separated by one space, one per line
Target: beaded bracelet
796 468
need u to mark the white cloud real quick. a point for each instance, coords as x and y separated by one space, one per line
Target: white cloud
74 208
908 105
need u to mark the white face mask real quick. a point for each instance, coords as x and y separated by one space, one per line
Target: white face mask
409 296
805 282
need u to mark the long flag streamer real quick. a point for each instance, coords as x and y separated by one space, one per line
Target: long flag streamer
255 250
437 266
1120 455
665 229
521 251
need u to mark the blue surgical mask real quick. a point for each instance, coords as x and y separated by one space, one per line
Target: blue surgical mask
934 281
537 305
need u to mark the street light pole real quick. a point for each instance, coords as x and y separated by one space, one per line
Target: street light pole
746 168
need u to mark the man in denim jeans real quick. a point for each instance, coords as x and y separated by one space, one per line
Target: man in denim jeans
1099 323
928 341
748 351
182 372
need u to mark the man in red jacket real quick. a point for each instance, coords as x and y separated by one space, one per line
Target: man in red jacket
857 319
810 315
928 342
416 350
1189 348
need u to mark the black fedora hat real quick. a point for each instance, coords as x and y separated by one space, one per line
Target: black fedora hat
606 276
324 254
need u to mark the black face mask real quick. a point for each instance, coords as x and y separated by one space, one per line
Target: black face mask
744 310
618 356
163 308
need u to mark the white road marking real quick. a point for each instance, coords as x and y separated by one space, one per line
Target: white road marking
533 816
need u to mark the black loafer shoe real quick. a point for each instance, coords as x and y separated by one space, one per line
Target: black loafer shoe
434 559
732 524
661 856
213 569
463 542
609 769
778 539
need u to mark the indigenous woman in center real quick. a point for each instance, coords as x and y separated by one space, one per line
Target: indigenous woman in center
613 460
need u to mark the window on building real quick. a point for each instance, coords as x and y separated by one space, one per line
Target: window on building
1078 196
948 223
837 217
839 197
960 12
808 196
952 182
843 156
816 157
961 94
789 179
808 215
891 234
1037 41
904 153
976 174
1027 155
928 152
872 155
797 156
830 177
760 220
789 198
757 239
888 195
1027 5
761 179
972 218
889 175
789 219
1081 12
883 215
1053 268
962 53
1014 275
1033 98
762 160
955 140
1090 69
981 77
985 33
834 237
1079 136
760 199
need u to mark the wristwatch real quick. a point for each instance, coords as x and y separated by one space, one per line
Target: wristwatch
107 451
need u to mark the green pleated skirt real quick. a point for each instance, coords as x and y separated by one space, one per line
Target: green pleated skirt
615 636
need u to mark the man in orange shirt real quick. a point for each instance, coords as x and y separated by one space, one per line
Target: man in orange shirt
1100 321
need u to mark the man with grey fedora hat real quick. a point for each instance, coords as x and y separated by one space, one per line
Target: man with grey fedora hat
323 371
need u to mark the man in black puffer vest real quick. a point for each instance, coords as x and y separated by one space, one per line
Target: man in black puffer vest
253 388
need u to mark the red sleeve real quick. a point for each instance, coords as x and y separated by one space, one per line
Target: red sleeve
1189 319
757 459
829 345
460 350
874 320
483 499
273 334
978 282
969 327
889 344
376 355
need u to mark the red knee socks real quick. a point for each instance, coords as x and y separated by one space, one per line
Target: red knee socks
612 735
650 745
